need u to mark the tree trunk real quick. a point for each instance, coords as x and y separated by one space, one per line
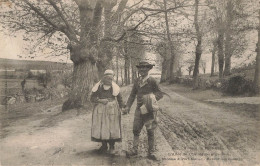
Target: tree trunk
213 59
198 47
196 67
197 60
126 67
171 72
134 62
179 72
165 70
220 52
257 64
127 64
122 77
117 72
257 71
227 69
84 56
228 52
216 64
85 74
129 72
84 48
134 75
105 54
101 69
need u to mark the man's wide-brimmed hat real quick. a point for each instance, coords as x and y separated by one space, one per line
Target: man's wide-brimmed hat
145 63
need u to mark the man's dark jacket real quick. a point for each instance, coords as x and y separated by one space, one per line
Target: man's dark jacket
139 89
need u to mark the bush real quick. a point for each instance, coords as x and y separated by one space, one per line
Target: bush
30 74
238 85
63 78
44 79
36 95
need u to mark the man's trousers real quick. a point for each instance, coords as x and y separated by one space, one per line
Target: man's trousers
146 116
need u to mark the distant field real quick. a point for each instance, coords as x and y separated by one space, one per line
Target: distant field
14 85
36 65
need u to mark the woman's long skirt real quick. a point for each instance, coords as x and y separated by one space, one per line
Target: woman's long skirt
106 122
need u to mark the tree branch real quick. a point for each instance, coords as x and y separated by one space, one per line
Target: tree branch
131 29
77 2
42 15
120 8
41 39
62 17
167 10
127 17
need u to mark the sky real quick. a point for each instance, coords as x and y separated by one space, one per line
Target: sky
14 48
10 47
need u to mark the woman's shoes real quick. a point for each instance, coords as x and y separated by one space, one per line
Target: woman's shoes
112 150
102 149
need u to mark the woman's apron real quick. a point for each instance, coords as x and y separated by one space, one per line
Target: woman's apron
106 122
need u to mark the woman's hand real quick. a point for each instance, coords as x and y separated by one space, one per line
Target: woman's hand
103 101
125 110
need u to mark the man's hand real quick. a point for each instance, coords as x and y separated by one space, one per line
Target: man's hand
103 101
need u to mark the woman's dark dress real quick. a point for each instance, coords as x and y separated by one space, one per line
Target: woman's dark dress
106 119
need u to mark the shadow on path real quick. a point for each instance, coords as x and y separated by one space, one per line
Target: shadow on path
97 158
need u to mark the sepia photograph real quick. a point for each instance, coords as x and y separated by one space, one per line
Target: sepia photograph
129 82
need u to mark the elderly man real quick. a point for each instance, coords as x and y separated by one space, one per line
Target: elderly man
148 93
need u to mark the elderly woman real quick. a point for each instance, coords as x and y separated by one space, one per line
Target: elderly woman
106 117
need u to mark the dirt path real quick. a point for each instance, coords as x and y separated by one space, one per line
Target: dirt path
189 133
59 139
52 137
210 135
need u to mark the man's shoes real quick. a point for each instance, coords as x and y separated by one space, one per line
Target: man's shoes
152 157
132 153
